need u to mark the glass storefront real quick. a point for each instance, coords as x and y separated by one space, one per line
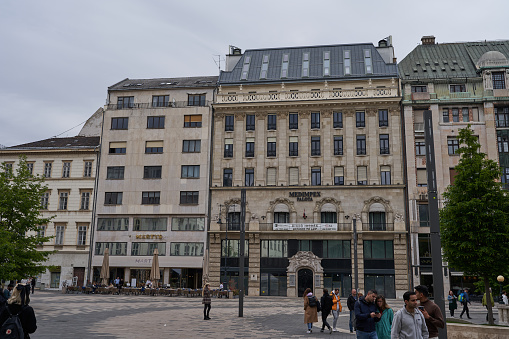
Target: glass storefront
186 278
273 284
343 281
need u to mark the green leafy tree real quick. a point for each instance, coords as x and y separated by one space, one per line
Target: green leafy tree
474 223
20 216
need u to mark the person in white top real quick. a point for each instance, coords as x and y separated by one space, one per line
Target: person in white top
504 298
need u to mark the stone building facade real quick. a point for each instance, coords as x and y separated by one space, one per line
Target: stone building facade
455 82
314 136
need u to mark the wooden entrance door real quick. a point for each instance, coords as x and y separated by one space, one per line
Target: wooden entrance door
80 273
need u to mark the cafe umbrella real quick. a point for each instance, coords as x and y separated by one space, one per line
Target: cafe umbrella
155 275
105 269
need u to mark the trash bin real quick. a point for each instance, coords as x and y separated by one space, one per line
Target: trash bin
43 286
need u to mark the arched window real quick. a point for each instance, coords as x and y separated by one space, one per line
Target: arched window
328 214
281 214
377 217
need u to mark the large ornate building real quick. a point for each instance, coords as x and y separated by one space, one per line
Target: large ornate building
314 136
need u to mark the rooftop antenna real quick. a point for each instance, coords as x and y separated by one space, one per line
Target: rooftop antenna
218 62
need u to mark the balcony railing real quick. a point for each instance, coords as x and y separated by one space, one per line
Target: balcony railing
140 105
375 226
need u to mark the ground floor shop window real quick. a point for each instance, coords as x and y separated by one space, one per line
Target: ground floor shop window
273 284
343 281
141 276
383 283
55 280
230 280
185 277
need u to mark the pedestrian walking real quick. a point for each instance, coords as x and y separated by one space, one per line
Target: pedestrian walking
206 301
485 303
32 284
336 308
464 300
310 309
409 322
431 312
18 305
366 316
8 291
326 302
453 304
350 303
383 327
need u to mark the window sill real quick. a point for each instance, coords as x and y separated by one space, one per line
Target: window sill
188 204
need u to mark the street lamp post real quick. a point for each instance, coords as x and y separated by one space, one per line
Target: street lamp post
500 280
219 221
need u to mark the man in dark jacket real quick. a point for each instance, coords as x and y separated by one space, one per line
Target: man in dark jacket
431 312
350 302
326 302
366 315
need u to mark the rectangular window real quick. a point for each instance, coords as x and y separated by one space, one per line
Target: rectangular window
249 147
293 119
8 169
503 144
119 123
245 67
422 180
361 145
152 172
316 176
250 122
228 148
274 248
115 172
249 177
191 146
231 248
64 196
44 201
337 119
190 171
113 198
189 198
66 169
423 215
87 172
227 177
154 147
196 100
305 64
155 122
151 198
118 147
192 249
293 174
338 145
294 146
229 121
59 235
339 176
498 80
187 224
112 224
160 100
114 248
271 147
378 249
502 116
265 66
315 120
82 235
326 63
384 144
271 122
360 119
85 200
192 120
419 89
315 146
147 248
336 249
41 231
362 175
383 118
452 145
367 61
347 62
125 102
284 65
457 88
47 169
505 177
150 224
455 115
30 168
385 175
445 115
464 113
271 176
420 148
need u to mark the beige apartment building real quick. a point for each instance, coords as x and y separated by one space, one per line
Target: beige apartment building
314 136
69 168
154 179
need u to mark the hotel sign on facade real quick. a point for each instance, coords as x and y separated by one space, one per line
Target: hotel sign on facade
304 196
305 227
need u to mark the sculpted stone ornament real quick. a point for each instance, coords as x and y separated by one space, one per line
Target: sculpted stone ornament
285 201
327 200
398 217
305 259
379 200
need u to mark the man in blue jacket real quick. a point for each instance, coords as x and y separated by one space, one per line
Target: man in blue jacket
366 315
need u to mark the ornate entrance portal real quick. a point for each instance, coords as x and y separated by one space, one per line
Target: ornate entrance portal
304 270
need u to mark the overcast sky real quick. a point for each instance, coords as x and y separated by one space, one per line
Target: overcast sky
57 58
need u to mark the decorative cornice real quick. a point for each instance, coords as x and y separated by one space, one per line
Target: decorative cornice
328 200
285 201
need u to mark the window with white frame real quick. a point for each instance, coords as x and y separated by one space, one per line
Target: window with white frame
85 200
305 64
385 175
326 63
82 235
62 205
44 200
87 172
66 169
265 67
368 64
41 231
245 67
59 234
284 66
47 169
347 62
30 167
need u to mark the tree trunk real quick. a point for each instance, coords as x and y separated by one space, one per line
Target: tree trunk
488 300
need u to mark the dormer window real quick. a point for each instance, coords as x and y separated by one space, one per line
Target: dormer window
367 61
498 80
347 62
245 67
265 67
457 88
326 63
284 66
305 64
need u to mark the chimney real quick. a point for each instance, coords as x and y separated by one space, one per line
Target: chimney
428 40
232 58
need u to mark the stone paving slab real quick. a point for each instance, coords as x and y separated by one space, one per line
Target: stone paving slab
117 316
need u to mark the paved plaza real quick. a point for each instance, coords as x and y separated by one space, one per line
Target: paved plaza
80 316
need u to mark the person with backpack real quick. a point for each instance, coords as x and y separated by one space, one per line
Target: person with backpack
326 302
464 300
310 309
17 318
336 308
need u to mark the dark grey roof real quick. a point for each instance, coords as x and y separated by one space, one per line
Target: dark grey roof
165 83
380 68
60 143
448 60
